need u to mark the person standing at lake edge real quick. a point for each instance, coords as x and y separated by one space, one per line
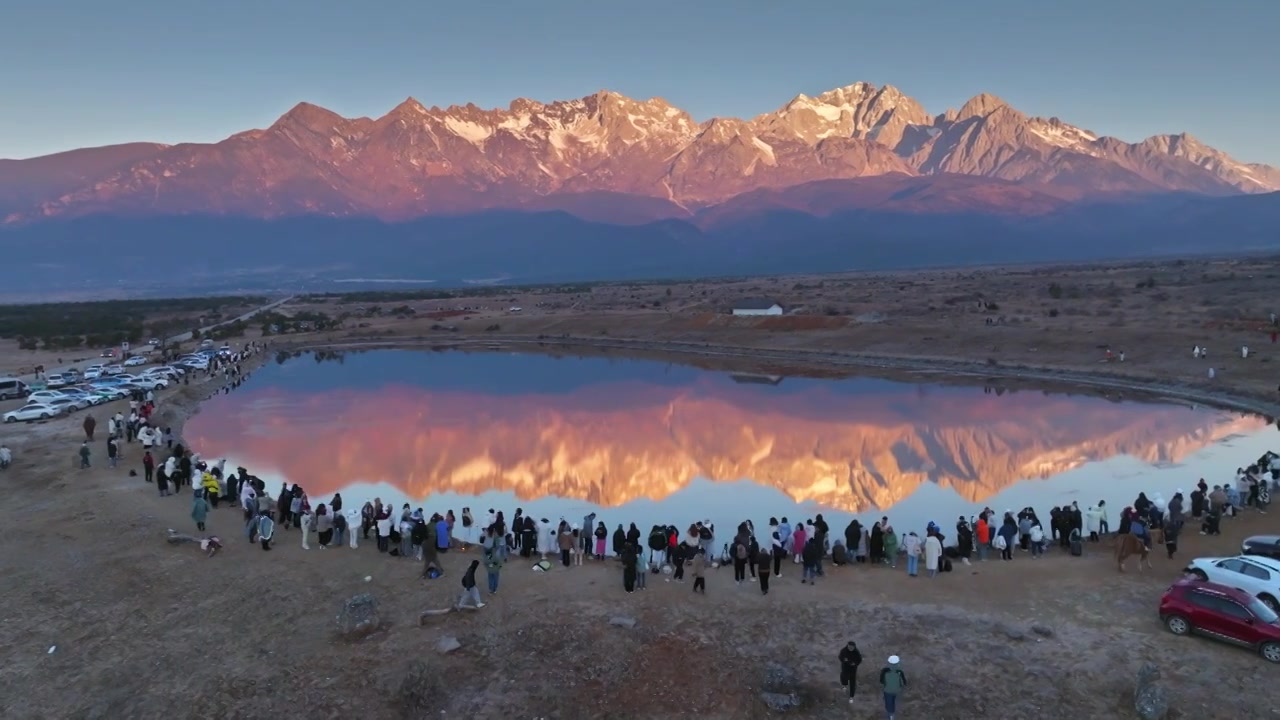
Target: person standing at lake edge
892 682
850 658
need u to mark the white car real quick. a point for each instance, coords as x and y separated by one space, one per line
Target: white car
93 373
135 361
56 380
69 403
113 370
1254 574
32 411
43 396
147 382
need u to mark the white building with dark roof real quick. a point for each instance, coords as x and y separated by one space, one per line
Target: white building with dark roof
757 306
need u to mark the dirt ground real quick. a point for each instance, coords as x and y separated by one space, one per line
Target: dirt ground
103 619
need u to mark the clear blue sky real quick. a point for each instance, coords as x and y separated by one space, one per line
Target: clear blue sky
77 73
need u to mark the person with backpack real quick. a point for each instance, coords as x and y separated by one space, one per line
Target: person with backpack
658 546
469 589
741 552
762 561
892 682
810 555
698 566
850 658
630 558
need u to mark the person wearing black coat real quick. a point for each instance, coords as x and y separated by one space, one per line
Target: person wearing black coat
964 539
853 536
850 658
630 559
619 540
469 589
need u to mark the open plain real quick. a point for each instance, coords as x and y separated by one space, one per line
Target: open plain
103 619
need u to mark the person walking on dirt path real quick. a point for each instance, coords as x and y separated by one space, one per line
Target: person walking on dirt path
630 559
266 529
469 589
764 561
698 568
89 425
148 467
892 682
199 509
492 559
113 452
850 658
84 455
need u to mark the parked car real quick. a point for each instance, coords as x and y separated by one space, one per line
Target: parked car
107 392
13 388
68 403
146 382
41 396
1222 613
163 371
135 361
1264 545
32 411
1259 576
93 372
56 380
79 392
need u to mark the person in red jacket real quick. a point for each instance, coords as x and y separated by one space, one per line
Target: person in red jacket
984 537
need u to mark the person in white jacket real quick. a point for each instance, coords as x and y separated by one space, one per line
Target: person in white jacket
546 537
1093 522
1037 541
932 554
911 544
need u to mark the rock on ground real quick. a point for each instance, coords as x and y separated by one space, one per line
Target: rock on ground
359 617
447 644
1042 630
1150 700
622 621
779 702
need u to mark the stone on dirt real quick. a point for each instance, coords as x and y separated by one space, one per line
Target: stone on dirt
1150 700
622 621
1013 633
447 644
780 688
1042 630
778 702
359 617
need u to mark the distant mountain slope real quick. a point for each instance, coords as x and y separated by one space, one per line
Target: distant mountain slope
610 158
216 252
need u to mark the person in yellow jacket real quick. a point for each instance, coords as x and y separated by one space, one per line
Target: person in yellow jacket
212 488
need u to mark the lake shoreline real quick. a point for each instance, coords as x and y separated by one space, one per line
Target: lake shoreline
832 364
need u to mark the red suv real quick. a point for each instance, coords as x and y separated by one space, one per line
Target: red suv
1222 613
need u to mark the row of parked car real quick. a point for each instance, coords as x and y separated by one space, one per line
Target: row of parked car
1232 599
52 402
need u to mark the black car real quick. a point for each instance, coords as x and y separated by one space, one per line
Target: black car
1264 545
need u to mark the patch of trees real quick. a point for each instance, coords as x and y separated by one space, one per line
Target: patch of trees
274 323
66 326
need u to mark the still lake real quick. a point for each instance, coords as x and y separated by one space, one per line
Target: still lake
648 442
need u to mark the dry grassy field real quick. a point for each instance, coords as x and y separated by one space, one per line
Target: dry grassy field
103 619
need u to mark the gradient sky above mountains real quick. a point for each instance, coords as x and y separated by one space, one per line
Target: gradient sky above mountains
81 72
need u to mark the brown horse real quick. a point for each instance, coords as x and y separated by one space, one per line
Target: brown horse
1129 545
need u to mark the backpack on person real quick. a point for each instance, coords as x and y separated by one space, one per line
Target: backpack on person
893 681
740 551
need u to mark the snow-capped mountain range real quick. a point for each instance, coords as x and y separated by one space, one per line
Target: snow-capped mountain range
612 158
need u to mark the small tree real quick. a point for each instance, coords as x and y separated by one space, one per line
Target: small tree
1055 290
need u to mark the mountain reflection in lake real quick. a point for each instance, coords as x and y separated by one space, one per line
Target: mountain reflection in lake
652 442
